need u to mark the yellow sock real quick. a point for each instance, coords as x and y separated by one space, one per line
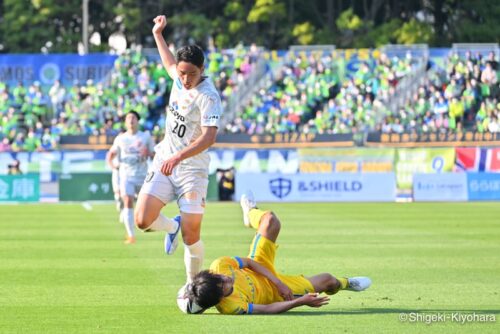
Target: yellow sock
344 283
255 215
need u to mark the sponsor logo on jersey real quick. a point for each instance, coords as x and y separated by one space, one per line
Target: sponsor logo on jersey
210 117
178 116
174 106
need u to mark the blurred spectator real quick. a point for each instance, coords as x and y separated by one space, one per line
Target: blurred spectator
33 120
5 145
14 168
310 97
465 95
225 180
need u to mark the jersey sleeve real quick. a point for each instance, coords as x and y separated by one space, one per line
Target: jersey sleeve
210 110
115 148
224 265
234 305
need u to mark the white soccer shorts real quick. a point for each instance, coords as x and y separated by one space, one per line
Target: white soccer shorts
186 185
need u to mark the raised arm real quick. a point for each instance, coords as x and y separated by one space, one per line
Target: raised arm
167 57
109 158
112 153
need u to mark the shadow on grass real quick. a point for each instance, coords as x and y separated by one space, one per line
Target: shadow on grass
364 311
392 311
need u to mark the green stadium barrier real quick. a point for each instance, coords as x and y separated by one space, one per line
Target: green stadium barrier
213 188
20 188
85 187
97 187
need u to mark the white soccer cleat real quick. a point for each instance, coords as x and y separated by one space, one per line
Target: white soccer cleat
359 283
172 239
247 203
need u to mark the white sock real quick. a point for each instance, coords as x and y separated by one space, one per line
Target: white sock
193 259
128 215
118 201
163 223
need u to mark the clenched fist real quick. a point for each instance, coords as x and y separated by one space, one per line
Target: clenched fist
160 24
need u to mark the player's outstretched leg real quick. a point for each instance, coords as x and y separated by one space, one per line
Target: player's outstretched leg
247 203
331 285
194 250
148 218
266 223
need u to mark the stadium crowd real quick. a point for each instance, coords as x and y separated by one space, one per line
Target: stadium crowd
312 94
464 95
310 97
32 117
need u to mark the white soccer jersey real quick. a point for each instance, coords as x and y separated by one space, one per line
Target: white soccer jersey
128 147
187 112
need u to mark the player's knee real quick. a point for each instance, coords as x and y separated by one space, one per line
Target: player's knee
192 202
331 283
271 222
142 221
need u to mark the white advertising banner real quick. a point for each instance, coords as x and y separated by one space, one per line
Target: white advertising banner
321 187
440 187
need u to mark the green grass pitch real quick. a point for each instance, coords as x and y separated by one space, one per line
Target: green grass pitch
65 269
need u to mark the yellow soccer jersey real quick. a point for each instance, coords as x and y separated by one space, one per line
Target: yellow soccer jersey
249 288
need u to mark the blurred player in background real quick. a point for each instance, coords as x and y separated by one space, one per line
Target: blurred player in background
132 149
115 183
180 168
251 285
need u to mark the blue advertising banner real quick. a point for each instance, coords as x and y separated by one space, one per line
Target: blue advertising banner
19 188
255 161
440 187
320 187
483 186
67 68
50 164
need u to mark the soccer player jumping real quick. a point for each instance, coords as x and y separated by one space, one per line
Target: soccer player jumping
180 167
252 285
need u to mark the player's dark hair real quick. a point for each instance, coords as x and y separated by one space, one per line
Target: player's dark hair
191 54
135 113
206 290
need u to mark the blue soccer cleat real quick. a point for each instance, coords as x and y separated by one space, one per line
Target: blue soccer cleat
172 239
